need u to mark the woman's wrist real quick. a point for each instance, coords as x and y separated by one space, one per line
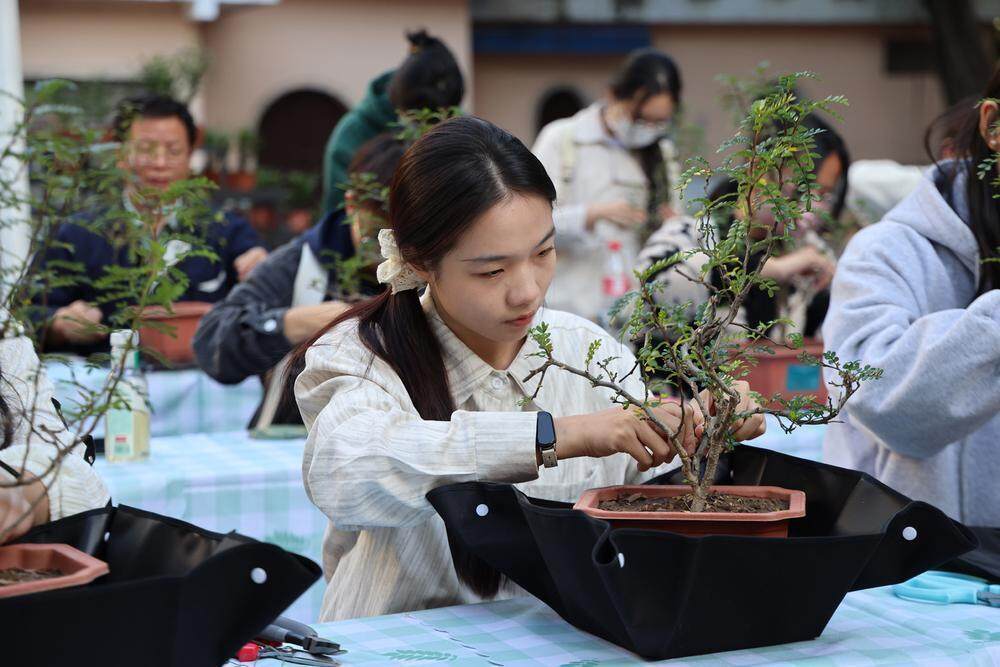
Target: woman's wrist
567 438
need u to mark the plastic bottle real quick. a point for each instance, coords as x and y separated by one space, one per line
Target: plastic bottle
126 431
615 282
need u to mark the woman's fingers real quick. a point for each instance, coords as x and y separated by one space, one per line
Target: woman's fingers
634 448
652 441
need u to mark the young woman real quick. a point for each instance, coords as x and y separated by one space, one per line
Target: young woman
429 78
407 392
915 295
614 172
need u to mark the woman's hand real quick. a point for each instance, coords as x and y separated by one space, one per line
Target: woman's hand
745 429
619 213
21 507
807 261
616 430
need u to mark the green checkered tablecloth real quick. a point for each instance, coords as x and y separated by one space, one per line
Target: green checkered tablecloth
870 628
228 481
184 401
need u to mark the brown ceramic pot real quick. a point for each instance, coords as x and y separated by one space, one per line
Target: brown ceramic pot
765 524
783 373
175 348
77 567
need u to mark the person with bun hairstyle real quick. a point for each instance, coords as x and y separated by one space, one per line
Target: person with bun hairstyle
429 78
424 384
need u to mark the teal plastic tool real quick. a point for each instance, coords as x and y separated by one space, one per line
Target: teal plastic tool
948 588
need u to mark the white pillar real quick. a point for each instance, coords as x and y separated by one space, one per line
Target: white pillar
14 228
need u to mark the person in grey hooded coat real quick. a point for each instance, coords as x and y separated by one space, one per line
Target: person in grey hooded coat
918 295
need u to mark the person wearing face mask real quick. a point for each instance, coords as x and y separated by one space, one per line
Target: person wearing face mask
614 170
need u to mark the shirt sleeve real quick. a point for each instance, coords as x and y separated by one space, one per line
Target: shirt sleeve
370 458
940 381
41 444
244 334
569 217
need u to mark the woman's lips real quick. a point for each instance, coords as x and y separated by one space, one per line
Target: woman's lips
522 321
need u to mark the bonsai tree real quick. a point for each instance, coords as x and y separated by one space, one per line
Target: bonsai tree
770 158
73 176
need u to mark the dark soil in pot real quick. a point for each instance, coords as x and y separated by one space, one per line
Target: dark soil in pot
716 502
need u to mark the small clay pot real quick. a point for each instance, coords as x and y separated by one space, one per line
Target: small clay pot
77 567
783 373
241 181
177 348
763 524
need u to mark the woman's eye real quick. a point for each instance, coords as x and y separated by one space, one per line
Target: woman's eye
491 274
547 251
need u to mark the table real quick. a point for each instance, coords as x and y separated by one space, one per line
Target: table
184 401
869 628
228 481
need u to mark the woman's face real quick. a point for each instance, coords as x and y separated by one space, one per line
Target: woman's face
490 285
828 175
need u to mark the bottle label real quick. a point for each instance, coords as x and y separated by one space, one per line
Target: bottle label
119 435
614 286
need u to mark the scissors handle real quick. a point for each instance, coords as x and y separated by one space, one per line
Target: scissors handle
936 595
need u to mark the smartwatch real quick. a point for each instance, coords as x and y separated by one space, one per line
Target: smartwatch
545 439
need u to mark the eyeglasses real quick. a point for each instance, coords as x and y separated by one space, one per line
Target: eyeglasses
150 151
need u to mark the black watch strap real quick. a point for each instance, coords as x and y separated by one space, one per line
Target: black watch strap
545 439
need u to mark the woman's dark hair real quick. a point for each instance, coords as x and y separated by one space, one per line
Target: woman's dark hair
6 423
379 156
645 74
446 180
429 78
152 106
971 150
827 143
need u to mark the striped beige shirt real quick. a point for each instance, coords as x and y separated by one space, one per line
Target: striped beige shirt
370 458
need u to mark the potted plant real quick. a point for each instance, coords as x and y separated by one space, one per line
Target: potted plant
216 146
300 187
704 357
244 178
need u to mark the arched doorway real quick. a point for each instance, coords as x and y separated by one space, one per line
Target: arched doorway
556 103
294 129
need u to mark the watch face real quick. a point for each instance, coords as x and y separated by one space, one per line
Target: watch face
545 432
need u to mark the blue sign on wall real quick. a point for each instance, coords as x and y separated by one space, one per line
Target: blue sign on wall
562 39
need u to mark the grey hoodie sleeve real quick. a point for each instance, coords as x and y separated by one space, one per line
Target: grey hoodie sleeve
941 366
243 335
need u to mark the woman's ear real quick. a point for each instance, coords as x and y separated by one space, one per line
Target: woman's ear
987 124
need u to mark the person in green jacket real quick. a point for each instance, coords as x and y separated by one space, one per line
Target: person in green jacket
428 78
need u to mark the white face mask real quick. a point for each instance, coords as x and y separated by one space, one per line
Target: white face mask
634 134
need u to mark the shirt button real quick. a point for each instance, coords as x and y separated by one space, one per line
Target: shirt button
271 326
497 383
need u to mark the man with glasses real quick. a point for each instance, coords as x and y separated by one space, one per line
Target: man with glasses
158 137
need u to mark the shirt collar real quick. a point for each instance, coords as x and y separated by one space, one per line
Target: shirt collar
171 210
465 369
590 127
